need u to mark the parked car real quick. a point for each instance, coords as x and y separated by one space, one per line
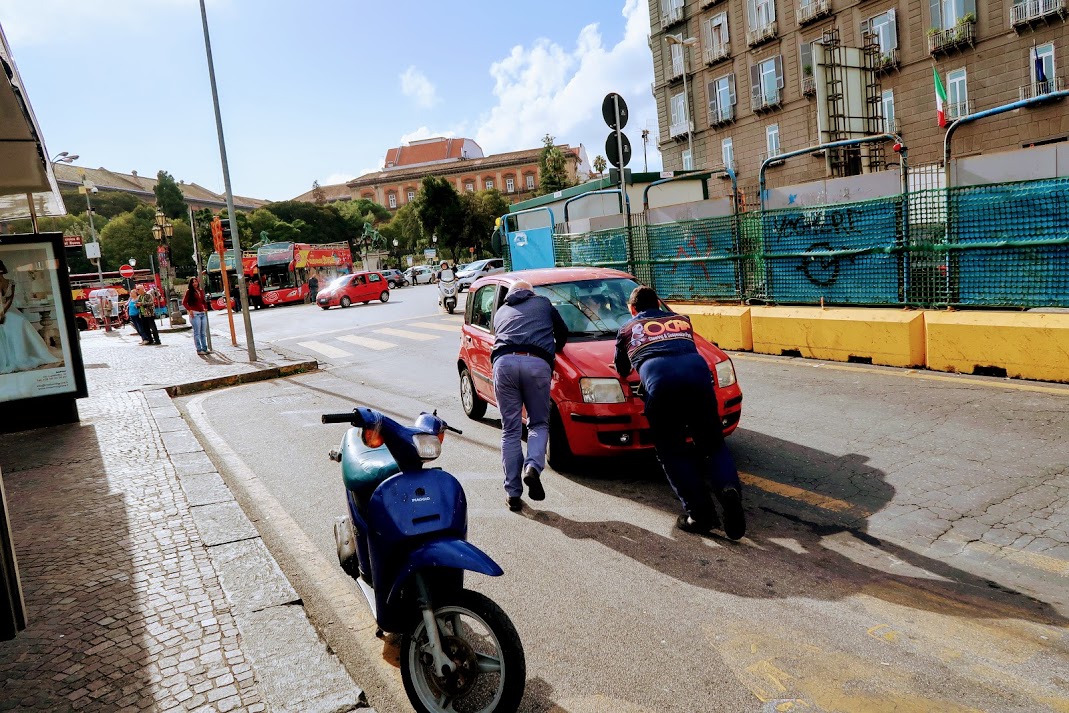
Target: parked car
480 268
419 275
395 278
594 411
360 287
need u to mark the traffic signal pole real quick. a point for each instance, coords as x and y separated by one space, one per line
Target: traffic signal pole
231 213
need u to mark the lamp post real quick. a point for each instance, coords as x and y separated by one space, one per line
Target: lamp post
163 231
61 157
687 43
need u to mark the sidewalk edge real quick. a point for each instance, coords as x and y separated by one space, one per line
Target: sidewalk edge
274 372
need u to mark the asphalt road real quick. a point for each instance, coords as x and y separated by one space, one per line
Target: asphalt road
908 545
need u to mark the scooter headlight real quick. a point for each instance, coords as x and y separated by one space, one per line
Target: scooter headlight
725 374
428 445
601 391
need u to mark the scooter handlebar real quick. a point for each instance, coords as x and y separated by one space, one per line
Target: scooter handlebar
352 417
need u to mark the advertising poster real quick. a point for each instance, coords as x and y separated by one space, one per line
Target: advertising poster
36 357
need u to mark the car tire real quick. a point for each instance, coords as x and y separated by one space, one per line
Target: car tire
345 302
392 284
559 453
385 296
473 405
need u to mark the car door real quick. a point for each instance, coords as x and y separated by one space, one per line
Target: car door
375 286
477 339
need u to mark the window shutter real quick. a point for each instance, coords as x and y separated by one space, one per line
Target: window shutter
731 87
779 70
937 15
807 56
723 22
892 29
772 10
755 83
711 93
751 13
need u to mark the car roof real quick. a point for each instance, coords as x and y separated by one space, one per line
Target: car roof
555 275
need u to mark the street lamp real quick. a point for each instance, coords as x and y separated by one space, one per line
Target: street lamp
689 42
163 229
64 157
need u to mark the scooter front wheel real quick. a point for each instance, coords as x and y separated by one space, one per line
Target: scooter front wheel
489 670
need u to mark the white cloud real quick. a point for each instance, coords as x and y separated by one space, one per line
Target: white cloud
415 85
424 133
336 178
548 89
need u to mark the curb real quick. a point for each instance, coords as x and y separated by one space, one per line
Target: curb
275 372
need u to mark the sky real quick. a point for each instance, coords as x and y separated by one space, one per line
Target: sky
319 90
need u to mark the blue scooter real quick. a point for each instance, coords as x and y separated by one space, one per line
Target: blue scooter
404 541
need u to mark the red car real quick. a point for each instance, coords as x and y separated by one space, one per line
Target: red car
360 287
595 413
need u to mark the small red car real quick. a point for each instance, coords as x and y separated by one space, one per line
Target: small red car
360 287
595 413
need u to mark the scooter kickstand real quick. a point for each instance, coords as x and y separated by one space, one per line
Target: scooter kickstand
442 665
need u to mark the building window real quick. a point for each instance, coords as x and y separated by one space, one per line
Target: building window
411 195
678 115
951 12
1043 68
489 183
722 100
510 185
530 182
469 187
888 102
957 95
727 153
716 37
688 160
677 58
392 198
772 139
884 28
766 81
762 13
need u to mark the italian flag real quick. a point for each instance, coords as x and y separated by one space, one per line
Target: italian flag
940 99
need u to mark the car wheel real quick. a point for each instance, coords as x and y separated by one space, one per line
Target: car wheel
345 302
559 454
474 406
392 284
385 296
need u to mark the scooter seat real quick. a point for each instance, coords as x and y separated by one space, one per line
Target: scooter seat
363 468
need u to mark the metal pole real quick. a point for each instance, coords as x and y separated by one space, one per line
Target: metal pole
623 186
231 213
100 260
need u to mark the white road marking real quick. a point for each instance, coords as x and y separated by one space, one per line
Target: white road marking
453 318
405 334
454 328
368 342
324 349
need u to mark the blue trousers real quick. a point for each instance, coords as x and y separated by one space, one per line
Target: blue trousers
200 330
522 381
681 404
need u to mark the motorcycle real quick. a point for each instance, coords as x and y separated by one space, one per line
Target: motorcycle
447 290
404 542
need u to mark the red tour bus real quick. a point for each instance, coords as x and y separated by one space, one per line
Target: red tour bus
213 290
285 269
84 283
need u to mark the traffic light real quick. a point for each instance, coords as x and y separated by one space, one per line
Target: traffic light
228 240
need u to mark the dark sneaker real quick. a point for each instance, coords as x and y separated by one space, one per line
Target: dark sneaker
734 516
688 524
534 483
514 503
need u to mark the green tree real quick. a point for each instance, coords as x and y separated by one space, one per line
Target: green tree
128 236
480 211
552 168
406 229
169 196
439 209
323 224
107 204
599 164
319 196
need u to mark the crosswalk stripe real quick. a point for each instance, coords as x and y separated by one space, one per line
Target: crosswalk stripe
405 334
453 318
454 328
324 349
368 342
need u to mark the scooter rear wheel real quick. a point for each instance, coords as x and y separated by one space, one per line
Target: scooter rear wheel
489 667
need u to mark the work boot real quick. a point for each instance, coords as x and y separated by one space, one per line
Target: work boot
734 516
514 503
533 480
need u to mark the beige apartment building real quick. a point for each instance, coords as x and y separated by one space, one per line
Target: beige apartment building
751 79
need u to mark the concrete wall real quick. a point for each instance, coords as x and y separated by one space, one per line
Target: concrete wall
1027 164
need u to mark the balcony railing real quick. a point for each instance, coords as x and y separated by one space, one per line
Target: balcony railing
961 35
1031 10
764 33
813 10
809 86
886 60
681 129
956 110
720 115
671 16
765 101
674 72
717 52
1038 89
889 126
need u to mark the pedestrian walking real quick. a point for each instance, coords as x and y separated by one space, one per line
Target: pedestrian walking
313 288
134 313
196 305
681 404
528 334
255 291
146 307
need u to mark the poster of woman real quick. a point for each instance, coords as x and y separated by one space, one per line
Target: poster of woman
35 350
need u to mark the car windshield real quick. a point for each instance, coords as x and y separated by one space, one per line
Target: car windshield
591 308
338 281
477 265
464 267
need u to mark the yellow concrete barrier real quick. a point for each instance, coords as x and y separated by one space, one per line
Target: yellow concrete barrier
1026 345
872 335
728 326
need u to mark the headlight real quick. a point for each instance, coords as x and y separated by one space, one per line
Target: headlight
725 374
601 391
427 445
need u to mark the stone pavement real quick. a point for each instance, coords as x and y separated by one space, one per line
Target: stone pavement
146 587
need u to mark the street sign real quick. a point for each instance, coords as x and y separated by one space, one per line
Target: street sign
126 271
72 241
612 150
608 110
162 257
92 251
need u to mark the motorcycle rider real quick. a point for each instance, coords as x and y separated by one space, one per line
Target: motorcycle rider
680 402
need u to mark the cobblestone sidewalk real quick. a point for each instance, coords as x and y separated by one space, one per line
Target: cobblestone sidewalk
128 605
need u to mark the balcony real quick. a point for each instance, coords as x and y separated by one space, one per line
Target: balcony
1027 13
761 102
809 86
717 52
1038 89
956 38
889 126
724 167
721 115
762 34
886 61
813 10
671 16
707 3
680 130
956 110
673 72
